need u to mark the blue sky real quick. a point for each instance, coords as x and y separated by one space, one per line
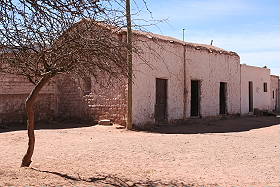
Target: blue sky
249 27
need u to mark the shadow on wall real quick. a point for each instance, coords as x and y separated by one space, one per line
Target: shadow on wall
202 126
111 180
12 108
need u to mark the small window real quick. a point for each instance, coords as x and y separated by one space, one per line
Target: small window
265 87
87 85
273 94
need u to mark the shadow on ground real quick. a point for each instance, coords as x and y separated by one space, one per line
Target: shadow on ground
111 180
47 125
191 126
200 126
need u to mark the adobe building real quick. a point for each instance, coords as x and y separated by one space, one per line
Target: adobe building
255 89
173 80
278 100
209 75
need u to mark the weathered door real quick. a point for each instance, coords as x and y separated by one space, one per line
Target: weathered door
161 100
195 98
251 100
276 98
223 98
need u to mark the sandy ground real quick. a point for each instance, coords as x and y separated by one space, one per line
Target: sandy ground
234 152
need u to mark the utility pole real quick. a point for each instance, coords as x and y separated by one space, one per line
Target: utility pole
184 78
129 64
183 35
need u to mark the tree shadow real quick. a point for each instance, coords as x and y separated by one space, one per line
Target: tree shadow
111 180
66 124
202 126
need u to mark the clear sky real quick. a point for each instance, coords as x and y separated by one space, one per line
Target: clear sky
249 27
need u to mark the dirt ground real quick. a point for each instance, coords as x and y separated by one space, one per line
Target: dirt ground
233 152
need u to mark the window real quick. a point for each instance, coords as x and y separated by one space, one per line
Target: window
265 87
87 85
273 94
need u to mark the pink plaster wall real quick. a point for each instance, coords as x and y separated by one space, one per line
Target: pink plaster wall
261 99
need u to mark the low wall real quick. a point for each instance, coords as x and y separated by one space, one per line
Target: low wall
13 92
12 108
64 98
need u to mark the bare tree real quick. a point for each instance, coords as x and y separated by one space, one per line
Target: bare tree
41 39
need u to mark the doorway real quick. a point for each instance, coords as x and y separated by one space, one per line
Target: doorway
223 97
195 98
161 100
276 98
251 96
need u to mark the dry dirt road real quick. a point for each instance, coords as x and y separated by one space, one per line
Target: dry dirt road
235 152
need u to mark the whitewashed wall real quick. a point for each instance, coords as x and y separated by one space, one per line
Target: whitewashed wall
211 69
164 59
161 60
261 99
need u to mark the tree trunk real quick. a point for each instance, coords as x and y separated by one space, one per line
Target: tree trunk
29 104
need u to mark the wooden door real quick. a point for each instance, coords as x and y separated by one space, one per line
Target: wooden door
195 98
161 100
251 99
223 98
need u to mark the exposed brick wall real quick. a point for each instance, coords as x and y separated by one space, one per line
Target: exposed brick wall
87 99
108 101
71 104
65 98
13 84
13 93
12 108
